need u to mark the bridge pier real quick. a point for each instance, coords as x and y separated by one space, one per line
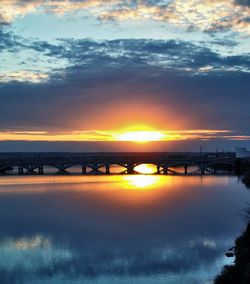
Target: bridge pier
40 170
20 170
62 169
202 168
165 169
30 170
215 170
94 169
84 169
130 169
107 167
185 169
158 169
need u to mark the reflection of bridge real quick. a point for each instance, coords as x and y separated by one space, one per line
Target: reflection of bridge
102 163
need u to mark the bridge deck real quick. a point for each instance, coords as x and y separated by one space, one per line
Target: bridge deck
34 163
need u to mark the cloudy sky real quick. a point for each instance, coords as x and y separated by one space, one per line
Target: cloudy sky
91 70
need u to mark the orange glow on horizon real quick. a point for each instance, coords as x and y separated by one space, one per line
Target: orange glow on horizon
137 134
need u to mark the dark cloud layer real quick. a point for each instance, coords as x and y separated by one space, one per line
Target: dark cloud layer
9 42
178 79
243 2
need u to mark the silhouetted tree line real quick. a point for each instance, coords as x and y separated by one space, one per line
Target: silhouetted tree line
239 273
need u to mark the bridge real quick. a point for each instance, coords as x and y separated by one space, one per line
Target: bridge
103 163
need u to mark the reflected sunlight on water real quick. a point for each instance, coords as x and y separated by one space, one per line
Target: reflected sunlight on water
16 184
135 182
117 228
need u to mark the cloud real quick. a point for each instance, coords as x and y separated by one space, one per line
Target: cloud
181 85
243 2
12 9
22 60
171 55
204 15
19 8
23 76
9 41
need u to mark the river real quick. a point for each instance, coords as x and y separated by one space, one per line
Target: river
118 229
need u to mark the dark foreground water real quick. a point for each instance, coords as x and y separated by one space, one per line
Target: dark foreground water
117 229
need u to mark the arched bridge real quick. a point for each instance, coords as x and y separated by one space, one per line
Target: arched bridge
103 163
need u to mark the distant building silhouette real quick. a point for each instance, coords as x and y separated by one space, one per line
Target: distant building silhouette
242 152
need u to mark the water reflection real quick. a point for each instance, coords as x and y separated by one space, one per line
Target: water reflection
117 229
136 182
29 253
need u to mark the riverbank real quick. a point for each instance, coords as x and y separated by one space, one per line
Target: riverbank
246 179
239 272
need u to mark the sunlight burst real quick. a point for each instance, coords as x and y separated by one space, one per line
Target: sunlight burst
148 182
141 136
146 169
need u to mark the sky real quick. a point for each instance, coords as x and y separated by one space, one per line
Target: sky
86 71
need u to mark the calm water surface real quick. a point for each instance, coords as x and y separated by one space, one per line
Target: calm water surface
117 229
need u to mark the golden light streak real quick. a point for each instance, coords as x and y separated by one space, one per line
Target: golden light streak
136 182
23 76
138 136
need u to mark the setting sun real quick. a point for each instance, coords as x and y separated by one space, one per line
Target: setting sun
141 136
146 169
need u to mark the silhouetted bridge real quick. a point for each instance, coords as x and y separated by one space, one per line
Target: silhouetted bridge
102 163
